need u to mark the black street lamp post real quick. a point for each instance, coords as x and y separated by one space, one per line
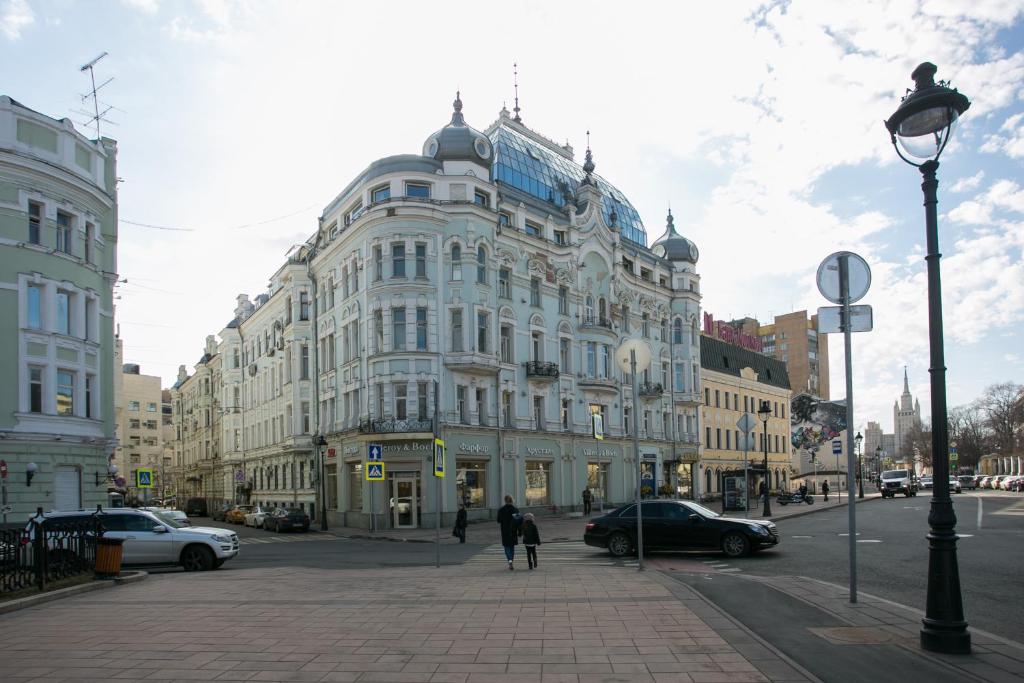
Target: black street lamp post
319 441
922 126
764 412
860 466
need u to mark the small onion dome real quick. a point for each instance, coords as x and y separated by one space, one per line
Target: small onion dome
459 142
673 246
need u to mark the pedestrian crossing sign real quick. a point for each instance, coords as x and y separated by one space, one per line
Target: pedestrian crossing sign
374 471
438 457
144 479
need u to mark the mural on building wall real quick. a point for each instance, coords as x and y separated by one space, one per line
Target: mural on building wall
814 423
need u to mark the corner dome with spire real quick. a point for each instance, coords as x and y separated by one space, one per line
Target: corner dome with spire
673 246
458 141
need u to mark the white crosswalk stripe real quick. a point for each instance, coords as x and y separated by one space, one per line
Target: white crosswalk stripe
259 540
561 552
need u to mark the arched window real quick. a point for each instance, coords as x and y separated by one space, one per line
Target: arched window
664 330
677 331
718 479
602 309
707 481
588 307
456 262
481 265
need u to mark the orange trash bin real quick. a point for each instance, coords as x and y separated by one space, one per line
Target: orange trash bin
108 557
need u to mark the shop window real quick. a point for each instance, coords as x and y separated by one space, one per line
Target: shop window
471 483
597 480
537 483
355 488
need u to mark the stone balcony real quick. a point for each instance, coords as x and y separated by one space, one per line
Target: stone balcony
541 370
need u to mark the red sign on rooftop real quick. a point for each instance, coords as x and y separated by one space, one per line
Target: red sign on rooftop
730 335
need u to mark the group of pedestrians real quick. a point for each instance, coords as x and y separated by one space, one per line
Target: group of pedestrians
513 525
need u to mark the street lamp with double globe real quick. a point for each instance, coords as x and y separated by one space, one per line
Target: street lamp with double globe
920 130
860 466
764 412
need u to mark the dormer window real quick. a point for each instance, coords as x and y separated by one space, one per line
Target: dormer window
560 237
627 264
645 274
418 190
481 198
381 194
504 219
533 229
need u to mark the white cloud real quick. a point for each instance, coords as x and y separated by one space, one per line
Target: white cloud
1012 143
146 6
970 183
1004 195
15 15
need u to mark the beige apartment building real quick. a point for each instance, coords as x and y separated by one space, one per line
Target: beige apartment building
196 420
737 380
138 418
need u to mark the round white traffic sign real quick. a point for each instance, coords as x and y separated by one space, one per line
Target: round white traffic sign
858 275
623 355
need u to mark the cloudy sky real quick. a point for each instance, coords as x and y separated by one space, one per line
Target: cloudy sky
760 124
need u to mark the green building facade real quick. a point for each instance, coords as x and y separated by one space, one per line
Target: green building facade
58 263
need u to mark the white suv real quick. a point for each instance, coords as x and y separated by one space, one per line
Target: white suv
154 538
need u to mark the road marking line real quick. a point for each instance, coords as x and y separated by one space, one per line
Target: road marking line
802 537
979 512
731 569
868 540
965 535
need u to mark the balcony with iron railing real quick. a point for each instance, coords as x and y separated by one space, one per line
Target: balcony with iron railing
593 321
395 426
651 390
541 370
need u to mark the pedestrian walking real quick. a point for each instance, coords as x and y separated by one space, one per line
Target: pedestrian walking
460 523
824 490
531 539
587 498
509 520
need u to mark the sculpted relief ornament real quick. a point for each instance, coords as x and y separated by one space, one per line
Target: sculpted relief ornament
506 257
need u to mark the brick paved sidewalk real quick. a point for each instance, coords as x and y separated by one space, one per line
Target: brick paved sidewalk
463 624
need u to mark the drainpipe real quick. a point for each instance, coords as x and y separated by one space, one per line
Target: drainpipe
321 492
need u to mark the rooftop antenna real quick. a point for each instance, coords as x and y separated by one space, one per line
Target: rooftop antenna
97 116
515 83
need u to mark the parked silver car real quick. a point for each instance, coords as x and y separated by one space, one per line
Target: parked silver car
152 538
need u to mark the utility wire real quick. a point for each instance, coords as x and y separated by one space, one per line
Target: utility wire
237 227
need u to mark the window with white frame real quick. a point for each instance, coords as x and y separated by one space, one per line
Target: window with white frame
398 328
380 194
418 190
482 337
35 222
481 265
504 283
457 333
34 313
400 401
35 389
63 312
421 329
456 262
378 264
65 392
64 232
421 260
397 260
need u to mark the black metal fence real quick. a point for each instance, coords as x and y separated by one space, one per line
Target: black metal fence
47 550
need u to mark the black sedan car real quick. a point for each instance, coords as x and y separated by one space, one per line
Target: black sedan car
286 519
679 525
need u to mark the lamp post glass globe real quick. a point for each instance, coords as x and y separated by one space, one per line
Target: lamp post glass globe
926 118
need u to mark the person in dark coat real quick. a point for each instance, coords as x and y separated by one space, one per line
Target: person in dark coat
587 498
531 539
508 520
824 490
461 523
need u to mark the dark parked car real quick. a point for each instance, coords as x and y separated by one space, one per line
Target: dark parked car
220 511
196 507
679 525
286 519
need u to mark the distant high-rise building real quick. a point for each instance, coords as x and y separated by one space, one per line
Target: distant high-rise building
906 413
794 338
872 438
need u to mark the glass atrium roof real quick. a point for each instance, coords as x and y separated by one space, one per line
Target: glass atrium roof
530 167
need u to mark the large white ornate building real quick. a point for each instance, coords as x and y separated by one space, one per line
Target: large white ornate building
475 291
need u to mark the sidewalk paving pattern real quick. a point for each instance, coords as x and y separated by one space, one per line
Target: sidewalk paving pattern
558 553
467 624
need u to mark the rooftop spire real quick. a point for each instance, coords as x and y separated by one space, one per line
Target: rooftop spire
670 223
906 385
515 84
457 119
588 163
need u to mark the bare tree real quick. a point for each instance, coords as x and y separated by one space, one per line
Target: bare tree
1003 406
968 428
917 444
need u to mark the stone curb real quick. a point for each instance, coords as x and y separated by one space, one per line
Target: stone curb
50 596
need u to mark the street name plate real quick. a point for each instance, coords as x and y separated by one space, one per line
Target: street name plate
830 319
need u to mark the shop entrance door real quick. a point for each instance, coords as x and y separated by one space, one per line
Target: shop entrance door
404 502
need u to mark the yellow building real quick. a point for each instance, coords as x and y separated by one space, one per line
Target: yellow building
138 414
737 381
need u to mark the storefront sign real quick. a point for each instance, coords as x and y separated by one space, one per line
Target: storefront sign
599 453
477 448
408 447
351 449
538 451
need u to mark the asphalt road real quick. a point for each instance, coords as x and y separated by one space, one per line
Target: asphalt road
261 548
892 554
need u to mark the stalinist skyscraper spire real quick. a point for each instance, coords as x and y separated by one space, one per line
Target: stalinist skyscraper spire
905 414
